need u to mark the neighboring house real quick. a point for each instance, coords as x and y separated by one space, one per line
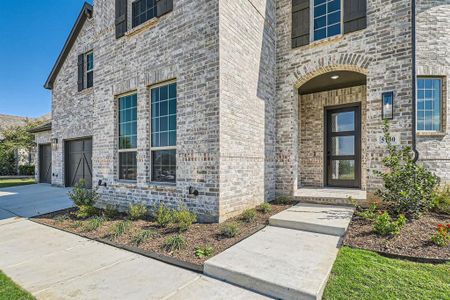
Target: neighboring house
23 156
242 101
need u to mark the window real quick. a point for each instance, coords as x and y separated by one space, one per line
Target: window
127 137
164 132
143 10
89 69
429 104
327 18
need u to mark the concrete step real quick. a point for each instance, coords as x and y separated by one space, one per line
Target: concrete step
278 262
326 219
334 196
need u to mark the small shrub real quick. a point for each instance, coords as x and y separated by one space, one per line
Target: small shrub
26 170
249 215
137 211
82 196
441 199
93 224
184 219
142 236
283 200
265 208
369 213
175 243
110 211
203 251
408 186
442 237
86 211
62 218
163 215
230 230
384 225
120 228
76 224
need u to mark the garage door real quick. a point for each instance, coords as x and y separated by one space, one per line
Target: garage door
79 162
45 163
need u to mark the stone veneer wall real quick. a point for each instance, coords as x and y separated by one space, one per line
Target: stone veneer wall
382 51
183 46
72 111
247 93
40 138
433 59
311 128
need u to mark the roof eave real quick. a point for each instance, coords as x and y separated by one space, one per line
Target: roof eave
86 12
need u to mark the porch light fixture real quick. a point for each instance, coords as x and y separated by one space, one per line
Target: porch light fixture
334 77
54 143
387 109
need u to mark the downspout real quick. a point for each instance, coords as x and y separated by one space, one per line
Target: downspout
414 79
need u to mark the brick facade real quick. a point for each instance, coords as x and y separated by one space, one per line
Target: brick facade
242 129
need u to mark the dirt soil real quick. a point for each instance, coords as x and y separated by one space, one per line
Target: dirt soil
413 240
197 235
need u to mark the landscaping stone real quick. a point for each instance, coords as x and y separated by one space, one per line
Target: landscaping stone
318 218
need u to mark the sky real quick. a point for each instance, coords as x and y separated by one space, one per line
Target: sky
32 34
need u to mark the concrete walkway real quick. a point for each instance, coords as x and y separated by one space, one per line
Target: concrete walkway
291 260
52 264
32 200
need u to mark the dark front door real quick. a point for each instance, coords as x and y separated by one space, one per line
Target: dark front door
79 162
343 146
45 163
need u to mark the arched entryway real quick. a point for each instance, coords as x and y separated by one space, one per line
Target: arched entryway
332 128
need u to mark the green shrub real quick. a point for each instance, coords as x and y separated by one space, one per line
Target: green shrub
265 208
82 196
76 224
384 225
137 211
26 170
249 215
369 213
441 199
442 236
204 251
163 215
120 228
230 230
282 200
408 187
62 218
142 235
7 161
93 224
86 211
110 211
175 243
184 219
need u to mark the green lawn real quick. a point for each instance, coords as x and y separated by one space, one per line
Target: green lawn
13 182
11 291
359 274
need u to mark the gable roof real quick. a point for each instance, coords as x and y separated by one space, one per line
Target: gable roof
86 12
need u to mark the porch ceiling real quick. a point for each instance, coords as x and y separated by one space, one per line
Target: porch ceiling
325 82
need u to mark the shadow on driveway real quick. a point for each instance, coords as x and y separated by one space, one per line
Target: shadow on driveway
32 200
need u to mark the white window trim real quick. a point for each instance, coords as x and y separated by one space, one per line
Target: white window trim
153 149
311 23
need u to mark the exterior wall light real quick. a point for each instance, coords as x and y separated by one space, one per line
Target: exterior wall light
54 143
335 77
387 108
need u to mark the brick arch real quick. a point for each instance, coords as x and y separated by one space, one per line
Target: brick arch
344 62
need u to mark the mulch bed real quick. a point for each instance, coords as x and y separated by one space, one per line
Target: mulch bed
412 242
196 235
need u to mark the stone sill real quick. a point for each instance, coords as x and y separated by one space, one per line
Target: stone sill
143 27
87 91
162 186
431 134
328 40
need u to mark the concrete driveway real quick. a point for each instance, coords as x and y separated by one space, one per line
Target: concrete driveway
32 200
52 264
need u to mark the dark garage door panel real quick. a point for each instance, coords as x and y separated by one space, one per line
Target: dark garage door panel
45 163
79 162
